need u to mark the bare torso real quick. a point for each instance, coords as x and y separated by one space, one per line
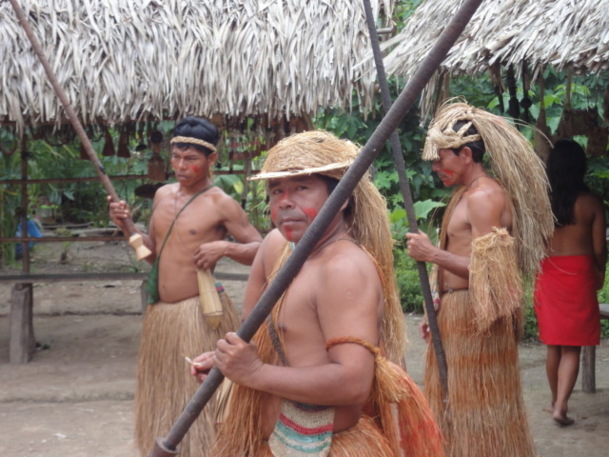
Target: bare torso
470 219
307 320
200 222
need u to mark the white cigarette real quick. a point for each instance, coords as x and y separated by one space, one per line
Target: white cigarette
192 362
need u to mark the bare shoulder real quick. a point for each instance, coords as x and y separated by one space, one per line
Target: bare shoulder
225 204
485 190
219 196
488 206
588 206
165 191
346 262
589 200
348 293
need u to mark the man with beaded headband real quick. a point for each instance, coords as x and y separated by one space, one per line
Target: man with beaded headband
319 371
190 219
495 228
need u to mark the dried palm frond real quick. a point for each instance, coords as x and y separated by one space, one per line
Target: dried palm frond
122 61
560 33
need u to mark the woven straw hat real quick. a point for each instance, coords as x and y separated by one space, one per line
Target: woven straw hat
307 153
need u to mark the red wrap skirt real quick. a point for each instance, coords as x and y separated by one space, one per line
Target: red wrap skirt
566 304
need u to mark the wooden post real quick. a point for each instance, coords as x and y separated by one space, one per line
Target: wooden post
589 369
21 341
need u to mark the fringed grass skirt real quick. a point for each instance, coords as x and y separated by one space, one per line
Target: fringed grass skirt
486 415
364 439
164 383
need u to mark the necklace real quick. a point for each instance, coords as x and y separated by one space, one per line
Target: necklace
475 179
325 244
328 243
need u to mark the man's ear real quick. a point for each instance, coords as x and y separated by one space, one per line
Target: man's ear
467 153
344 205
212 158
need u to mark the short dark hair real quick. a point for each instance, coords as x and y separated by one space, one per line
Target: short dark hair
196 127
477 147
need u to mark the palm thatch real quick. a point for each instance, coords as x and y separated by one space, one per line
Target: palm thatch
565 34
125 60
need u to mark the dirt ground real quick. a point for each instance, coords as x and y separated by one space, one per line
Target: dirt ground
75 397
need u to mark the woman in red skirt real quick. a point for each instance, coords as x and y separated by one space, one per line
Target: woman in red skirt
565 292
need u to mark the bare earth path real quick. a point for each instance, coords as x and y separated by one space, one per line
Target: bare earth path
75 398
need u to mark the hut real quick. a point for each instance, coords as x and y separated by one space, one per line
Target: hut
122 61
127 65
514 40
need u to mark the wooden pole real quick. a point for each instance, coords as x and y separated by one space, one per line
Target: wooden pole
400 166
135 239
168 446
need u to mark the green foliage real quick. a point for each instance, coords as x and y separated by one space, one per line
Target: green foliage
403 10
530 332
251 194
422 182
85 201
603 297
9 196
75 202
409 285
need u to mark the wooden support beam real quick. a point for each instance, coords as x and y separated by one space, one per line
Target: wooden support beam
22 343
588 360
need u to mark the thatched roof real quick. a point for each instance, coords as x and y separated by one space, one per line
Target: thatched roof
566 34
122 60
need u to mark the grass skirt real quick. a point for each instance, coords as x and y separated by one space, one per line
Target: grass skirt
486 414
164 383
364 439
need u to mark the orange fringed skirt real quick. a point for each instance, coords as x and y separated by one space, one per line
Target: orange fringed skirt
566 304
486 414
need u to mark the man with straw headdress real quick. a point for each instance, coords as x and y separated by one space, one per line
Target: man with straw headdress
495 228
186 316
318 380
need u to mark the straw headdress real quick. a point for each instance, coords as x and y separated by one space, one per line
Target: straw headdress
514 163
320 152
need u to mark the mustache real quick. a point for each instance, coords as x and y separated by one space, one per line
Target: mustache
285 215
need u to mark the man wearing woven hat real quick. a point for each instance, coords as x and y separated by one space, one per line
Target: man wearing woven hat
495 227
318 372
189 222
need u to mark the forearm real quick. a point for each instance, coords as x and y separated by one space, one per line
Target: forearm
456 264
328 384
243 253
